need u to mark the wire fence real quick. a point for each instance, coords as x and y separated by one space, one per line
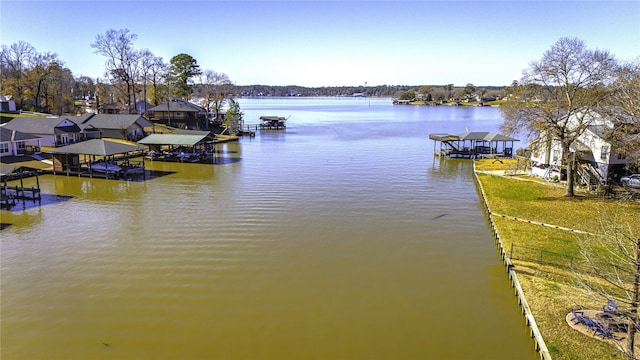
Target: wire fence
545 257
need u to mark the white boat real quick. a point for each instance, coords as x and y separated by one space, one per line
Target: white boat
101 166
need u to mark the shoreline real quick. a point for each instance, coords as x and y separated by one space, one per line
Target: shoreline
540 345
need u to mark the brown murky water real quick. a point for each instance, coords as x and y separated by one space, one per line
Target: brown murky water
339 238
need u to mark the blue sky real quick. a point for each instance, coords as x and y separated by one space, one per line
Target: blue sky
330 43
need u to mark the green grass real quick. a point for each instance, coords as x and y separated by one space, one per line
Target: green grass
6 117
549 288
547 204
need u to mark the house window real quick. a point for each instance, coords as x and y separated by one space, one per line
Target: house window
21 145
4 148
604 152
556 155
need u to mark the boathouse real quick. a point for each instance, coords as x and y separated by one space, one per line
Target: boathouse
473 145
272 122
100 158
181 145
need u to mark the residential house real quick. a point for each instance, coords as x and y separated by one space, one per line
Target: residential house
598 161
113 108
7 105
52 131
15 143
143 108
179 113
117 126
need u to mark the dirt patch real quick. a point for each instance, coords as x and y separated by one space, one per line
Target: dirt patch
619 339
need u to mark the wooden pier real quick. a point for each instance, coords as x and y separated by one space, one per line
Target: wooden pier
10 194
249 131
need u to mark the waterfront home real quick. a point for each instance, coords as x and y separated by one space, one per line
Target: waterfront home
597 158
179 113
117 126
15 143
51 131
143 108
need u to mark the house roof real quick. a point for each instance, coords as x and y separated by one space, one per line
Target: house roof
579 146
191 132
175 139
66 129
9 135
178 105
115 121
485 136
7 169
600 130
41 126
99 147
114 106
472 136
273 118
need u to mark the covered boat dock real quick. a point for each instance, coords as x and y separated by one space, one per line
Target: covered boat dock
181 146
272 122
473 145
100 158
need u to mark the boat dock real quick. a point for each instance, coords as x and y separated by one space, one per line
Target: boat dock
272 122
10 194
472 145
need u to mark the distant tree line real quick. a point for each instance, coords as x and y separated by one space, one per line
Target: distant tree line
293 90
404 92
41 82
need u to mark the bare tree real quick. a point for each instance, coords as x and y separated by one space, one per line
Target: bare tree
558 94
425 91
40 75
15 60
624 109
60 85
84 87
449 89
117 47
146 61
156 73
612 272
214 87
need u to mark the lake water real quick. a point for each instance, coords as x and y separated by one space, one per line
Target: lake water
341 237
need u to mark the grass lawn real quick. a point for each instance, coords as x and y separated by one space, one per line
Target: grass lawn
6 117
549 288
